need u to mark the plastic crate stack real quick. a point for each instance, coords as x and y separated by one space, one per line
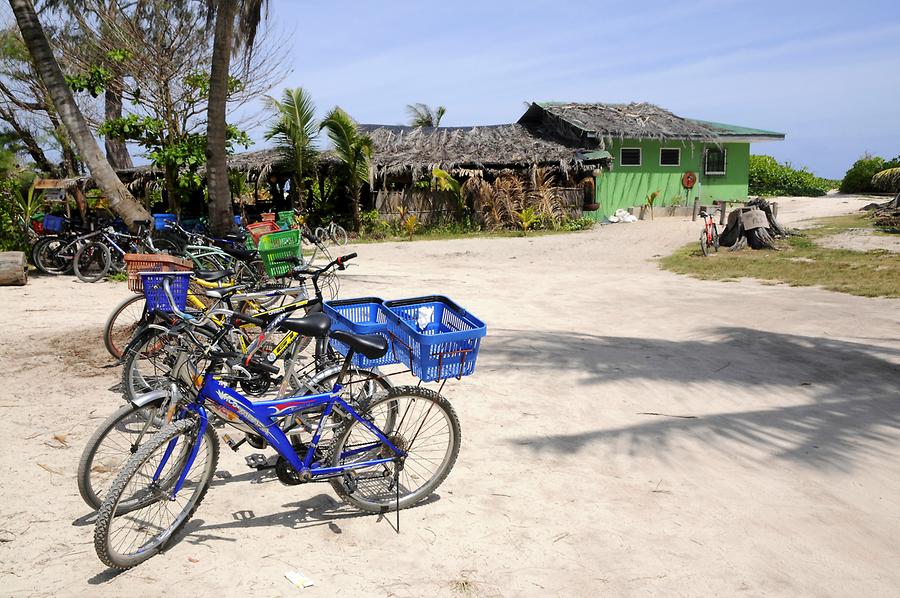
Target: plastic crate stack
278 246
433 336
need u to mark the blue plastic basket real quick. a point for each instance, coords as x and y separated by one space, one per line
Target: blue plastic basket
160 220
156 296
366 315
237 220
446 348
54 224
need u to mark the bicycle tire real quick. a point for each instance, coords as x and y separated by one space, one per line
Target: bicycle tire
48 260
121 326
385 497
339 235
88 255
92 483
321 234
704 243
149 361
715 237
36 248
105 532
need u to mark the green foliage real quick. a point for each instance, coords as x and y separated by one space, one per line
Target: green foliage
353 149
768 177
199 81
410 224
577 224
294 130
422 115
858 178
373 225
527 218
184 155
93 81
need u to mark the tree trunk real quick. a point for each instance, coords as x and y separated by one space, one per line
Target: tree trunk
221 215
13 269
171 179
116 150
357 221
120 200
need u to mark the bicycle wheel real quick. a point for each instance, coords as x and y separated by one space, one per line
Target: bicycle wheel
112 444
715 237
339 235
704 243
125 540
416 420
321 234
92 262
36 249
149 362
51 257
122 323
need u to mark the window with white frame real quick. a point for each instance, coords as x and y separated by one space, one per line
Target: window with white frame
715 161
669 156
630 156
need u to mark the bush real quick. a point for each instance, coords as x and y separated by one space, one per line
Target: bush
859 178
582 223
769 177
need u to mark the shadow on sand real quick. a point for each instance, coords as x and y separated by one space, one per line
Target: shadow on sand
855 389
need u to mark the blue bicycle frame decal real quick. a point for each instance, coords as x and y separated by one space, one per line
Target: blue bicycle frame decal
263 417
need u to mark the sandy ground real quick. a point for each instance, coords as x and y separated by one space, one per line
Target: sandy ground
628 432
862 240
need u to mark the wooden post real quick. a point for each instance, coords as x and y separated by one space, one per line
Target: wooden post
722 208
696 210
13 269
775 210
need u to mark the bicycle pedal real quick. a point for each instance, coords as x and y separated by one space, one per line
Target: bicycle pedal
257 461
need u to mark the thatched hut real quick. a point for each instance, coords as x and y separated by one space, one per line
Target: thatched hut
404 155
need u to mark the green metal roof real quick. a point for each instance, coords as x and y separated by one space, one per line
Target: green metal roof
726 130
594 155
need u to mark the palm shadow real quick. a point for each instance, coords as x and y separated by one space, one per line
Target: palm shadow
855 407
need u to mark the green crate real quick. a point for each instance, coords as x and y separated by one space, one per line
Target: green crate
249 244
276 246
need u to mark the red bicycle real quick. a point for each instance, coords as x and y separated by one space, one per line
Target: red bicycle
709 237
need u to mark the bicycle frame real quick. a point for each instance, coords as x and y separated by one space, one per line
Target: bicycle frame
263 418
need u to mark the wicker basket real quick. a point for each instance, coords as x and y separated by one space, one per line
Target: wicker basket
152 262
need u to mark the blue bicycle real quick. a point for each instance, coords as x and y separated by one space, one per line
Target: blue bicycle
386 452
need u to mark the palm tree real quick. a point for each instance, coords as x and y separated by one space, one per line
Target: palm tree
294 131
229 37
421 115
45 63
353 149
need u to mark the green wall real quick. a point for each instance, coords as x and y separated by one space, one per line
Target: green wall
627 186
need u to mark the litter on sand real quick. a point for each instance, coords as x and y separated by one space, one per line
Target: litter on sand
621 216
299 580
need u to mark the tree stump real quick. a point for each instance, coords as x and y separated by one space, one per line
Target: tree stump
13 268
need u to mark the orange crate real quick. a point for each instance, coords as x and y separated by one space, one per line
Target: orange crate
259 229
152 262
268 217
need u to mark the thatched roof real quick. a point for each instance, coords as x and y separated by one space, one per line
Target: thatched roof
636 121
400 149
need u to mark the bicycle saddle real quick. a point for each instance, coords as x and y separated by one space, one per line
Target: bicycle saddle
239 253
372 346
213 275
312 325
222 292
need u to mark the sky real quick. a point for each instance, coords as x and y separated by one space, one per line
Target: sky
827 74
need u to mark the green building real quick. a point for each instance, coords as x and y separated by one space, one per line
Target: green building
652 150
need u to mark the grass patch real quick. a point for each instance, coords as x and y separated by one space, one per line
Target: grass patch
801 262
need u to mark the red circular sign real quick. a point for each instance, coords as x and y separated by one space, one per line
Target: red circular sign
689 180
